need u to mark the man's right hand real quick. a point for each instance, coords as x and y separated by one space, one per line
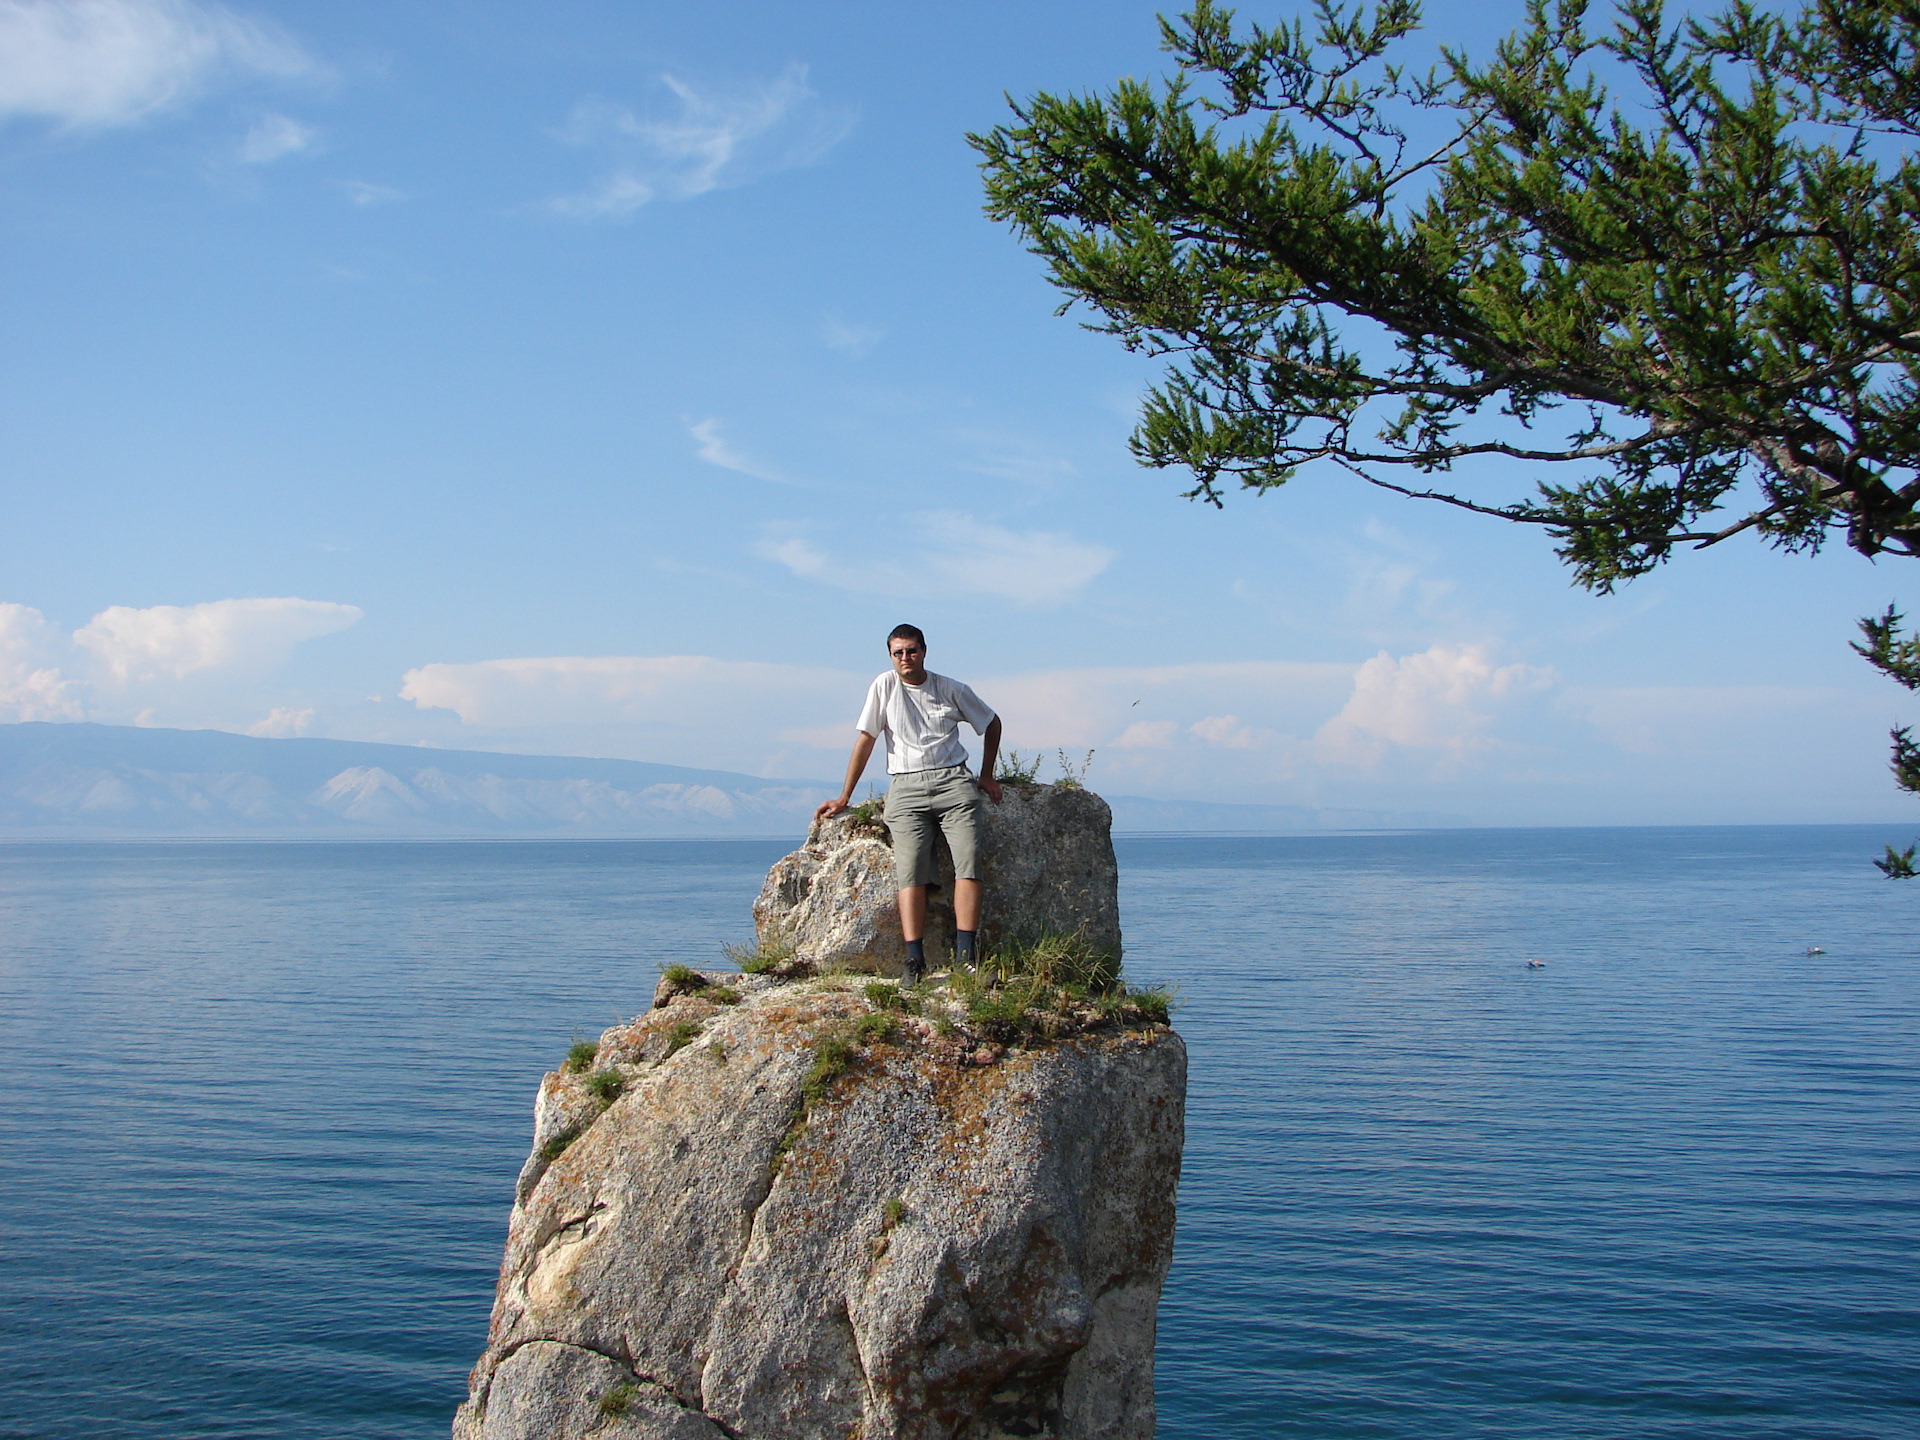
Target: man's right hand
831 807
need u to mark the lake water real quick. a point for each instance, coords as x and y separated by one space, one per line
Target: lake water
261 1107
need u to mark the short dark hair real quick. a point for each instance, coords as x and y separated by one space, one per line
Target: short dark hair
906 632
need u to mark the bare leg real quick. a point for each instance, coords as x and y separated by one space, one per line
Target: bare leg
966 905
913 910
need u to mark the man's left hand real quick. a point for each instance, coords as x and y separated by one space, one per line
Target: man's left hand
992 787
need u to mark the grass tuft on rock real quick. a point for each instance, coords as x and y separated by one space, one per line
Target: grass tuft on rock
1046 988
773 955
883 995
833 1051
619 1399
682 1035
552 1148
579 1057
1017 769
1069 961
606 1085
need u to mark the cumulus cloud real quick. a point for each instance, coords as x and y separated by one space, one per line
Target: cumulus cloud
711 139
166 664
173 641
274 137
1146 735
1227 732
957 555
282 721
1446 699
1190 708
31 685
94 64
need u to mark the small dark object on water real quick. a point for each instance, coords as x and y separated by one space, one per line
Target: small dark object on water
1536 964
1815 950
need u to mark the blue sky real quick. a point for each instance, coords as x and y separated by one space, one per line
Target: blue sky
607 378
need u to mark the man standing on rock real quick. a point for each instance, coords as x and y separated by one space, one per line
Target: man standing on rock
928 784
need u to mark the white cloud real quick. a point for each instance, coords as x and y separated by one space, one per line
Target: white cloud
163 665
1444 729
956 554
620 193
364 192
92 64
31 685
1154 707
274 137
683 709
802 557
1146 735
1446 699
173 641
712 141
855 340
711 447
1037 567
1227 732
1013 457
282 721
1709 720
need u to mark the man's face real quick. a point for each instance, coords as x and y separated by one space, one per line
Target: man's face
909 659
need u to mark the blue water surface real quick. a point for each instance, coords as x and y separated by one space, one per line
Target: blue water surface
261 1106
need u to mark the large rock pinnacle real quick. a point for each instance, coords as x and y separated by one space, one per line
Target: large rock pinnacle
807 1204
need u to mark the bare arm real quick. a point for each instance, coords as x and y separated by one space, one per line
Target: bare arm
989 754
856 766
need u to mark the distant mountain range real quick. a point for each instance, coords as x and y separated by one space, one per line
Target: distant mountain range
114 779
85 780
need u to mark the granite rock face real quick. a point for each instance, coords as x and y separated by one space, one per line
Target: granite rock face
1047 867
920 1245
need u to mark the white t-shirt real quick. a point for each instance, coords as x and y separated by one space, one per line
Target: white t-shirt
918 721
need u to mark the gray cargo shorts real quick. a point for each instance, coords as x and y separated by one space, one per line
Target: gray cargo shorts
921 799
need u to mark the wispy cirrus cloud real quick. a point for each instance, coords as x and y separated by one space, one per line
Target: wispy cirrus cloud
850 339
713 448
274 137
365 192
96 64
710 139
1012 457
955 554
